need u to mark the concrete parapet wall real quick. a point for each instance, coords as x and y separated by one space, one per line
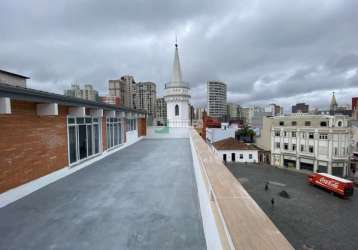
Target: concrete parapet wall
212 235
158 132
131 136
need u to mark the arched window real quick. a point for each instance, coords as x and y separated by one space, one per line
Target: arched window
176 109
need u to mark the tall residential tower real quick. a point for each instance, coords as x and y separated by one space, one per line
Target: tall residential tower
216 92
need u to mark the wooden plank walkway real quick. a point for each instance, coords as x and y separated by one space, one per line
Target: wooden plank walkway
243 224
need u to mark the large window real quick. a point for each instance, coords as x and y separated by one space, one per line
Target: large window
131 124
311 135
176 110
83 137
114 132
323 136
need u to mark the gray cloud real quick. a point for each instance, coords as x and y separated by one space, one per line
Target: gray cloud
265 51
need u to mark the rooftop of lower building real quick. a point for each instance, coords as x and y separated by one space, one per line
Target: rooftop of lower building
233 144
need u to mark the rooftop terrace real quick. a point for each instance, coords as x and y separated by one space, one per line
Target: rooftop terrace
141 197
156 194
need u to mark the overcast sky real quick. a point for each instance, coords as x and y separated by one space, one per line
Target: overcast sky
266 51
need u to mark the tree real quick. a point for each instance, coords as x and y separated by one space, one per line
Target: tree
246 134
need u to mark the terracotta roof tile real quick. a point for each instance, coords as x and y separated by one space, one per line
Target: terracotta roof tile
232 144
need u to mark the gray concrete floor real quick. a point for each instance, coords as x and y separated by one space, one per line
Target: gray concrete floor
142 197
312 218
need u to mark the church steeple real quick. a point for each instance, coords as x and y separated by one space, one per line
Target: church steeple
177 96
176 72
333 106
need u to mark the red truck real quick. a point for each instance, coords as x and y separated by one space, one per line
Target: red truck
333 183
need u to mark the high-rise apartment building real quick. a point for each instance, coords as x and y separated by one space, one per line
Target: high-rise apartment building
355 108
87 93
141 95
199 113
274 109
216 97
249 114
124 88
161 111
144 97
354 103
232 110
244 114
300 108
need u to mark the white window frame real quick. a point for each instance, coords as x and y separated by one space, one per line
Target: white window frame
76 125
120 140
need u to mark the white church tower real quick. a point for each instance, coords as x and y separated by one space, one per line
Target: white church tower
177 97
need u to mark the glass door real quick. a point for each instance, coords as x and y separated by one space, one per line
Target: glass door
72 143
89 140
96 138
82 141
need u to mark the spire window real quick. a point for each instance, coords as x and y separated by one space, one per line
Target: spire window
176 110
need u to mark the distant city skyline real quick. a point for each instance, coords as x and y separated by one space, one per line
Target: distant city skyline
267 52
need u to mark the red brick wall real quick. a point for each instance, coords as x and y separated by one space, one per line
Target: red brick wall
30 146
